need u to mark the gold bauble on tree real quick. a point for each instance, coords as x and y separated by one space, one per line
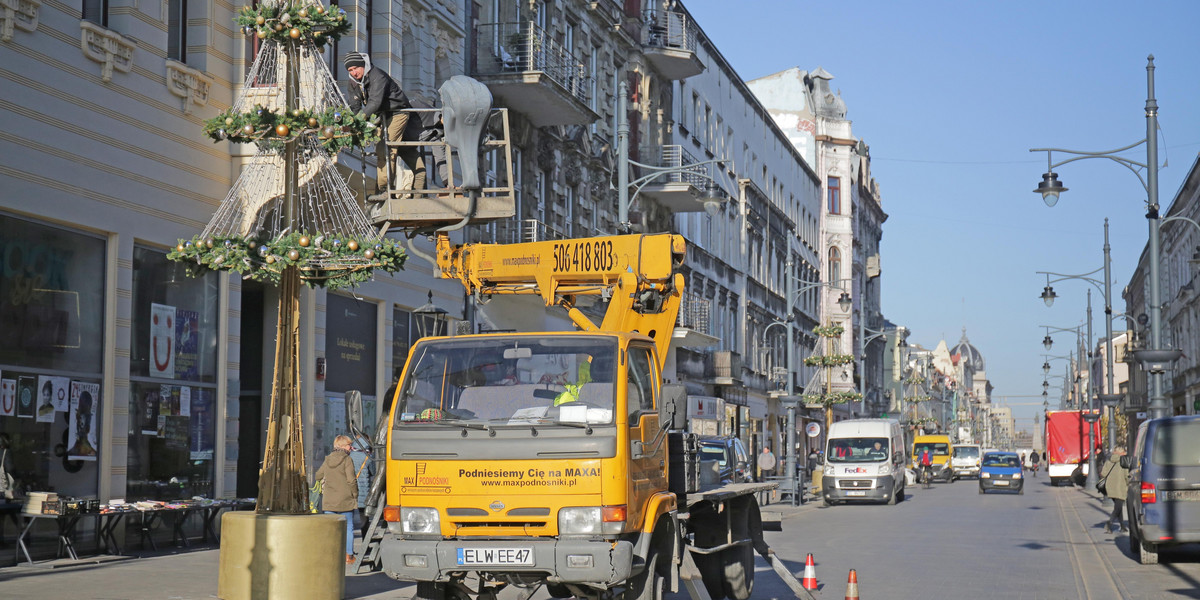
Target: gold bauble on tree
303 12
260 20
282 130
369 254
294 254
352 245
294 33
304 241
312 122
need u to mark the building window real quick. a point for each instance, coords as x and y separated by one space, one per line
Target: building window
177 30
173 373
835 195
51 341
835 265
96 11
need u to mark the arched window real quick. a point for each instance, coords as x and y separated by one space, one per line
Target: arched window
835 264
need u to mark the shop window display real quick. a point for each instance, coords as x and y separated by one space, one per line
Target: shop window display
51 348
172 403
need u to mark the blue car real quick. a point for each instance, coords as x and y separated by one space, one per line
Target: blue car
1001 471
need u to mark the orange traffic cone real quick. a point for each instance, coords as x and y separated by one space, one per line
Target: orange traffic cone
852 586
809 582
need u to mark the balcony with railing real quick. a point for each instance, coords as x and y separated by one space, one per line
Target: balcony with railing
531 73
724 367
692 328
680 190
669 44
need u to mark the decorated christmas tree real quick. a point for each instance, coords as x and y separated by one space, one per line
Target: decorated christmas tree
290 218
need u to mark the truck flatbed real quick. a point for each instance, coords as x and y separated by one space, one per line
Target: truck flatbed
728 491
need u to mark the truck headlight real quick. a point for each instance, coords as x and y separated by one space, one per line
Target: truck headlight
828 470
420 520
591 520
1016 475
985 475
885 469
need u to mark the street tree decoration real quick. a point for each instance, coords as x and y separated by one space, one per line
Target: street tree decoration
290 218
828 398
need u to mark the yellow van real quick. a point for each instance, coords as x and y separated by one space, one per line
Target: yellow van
940 446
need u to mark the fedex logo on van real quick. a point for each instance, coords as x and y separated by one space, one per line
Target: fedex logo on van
854 470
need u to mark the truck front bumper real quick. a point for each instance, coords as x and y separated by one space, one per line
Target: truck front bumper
594 562
852 488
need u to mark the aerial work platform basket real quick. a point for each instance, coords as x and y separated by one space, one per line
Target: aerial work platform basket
444 202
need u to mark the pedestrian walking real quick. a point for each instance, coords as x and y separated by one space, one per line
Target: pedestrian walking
339 492
375 93
766 470
1114 478
364 472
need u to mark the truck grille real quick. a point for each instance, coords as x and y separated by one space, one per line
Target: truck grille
500 524
855 483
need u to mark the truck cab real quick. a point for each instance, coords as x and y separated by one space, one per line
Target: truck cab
527 454
939 445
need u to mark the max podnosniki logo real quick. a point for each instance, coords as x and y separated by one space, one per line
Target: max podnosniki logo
423 482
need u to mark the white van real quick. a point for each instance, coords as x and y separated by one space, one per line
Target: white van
864 460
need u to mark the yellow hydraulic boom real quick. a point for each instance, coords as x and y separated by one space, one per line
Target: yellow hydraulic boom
638 274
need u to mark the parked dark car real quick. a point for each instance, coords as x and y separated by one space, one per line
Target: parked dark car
733 462
1164 486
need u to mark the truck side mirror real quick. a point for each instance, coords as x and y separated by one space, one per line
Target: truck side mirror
672 410
354 411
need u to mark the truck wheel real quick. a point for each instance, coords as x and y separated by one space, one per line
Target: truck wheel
651 582
739 560
558 590
428 590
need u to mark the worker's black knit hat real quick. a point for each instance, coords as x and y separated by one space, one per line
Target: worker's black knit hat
355 59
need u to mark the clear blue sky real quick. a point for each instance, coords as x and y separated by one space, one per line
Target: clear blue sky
950 97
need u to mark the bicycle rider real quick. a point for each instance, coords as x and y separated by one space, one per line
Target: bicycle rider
1033 459
926 464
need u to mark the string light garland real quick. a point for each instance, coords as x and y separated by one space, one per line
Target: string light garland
294 21
324 261
336 127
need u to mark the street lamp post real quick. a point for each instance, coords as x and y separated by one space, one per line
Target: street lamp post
865 339
788 398
1105 288
1154 359
1085 357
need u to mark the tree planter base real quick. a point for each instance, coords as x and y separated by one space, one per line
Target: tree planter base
282 557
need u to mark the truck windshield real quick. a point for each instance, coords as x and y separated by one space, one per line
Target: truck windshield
966 452
937 448
500 380
842 450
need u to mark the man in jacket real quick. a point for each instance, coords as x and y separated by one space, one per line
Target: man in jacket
375 93
1115 478
339 493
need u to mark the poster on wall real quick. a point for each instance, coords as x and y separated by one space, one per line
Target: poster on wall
185 401
162 341
52 397
168 401
187 344
200 446
8 397
148 412
26 391
175 432
84 417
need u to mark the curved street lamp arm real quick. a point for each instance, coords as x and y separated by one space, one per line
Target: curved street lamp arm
1099 285
1163 222
1128 163
772 324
